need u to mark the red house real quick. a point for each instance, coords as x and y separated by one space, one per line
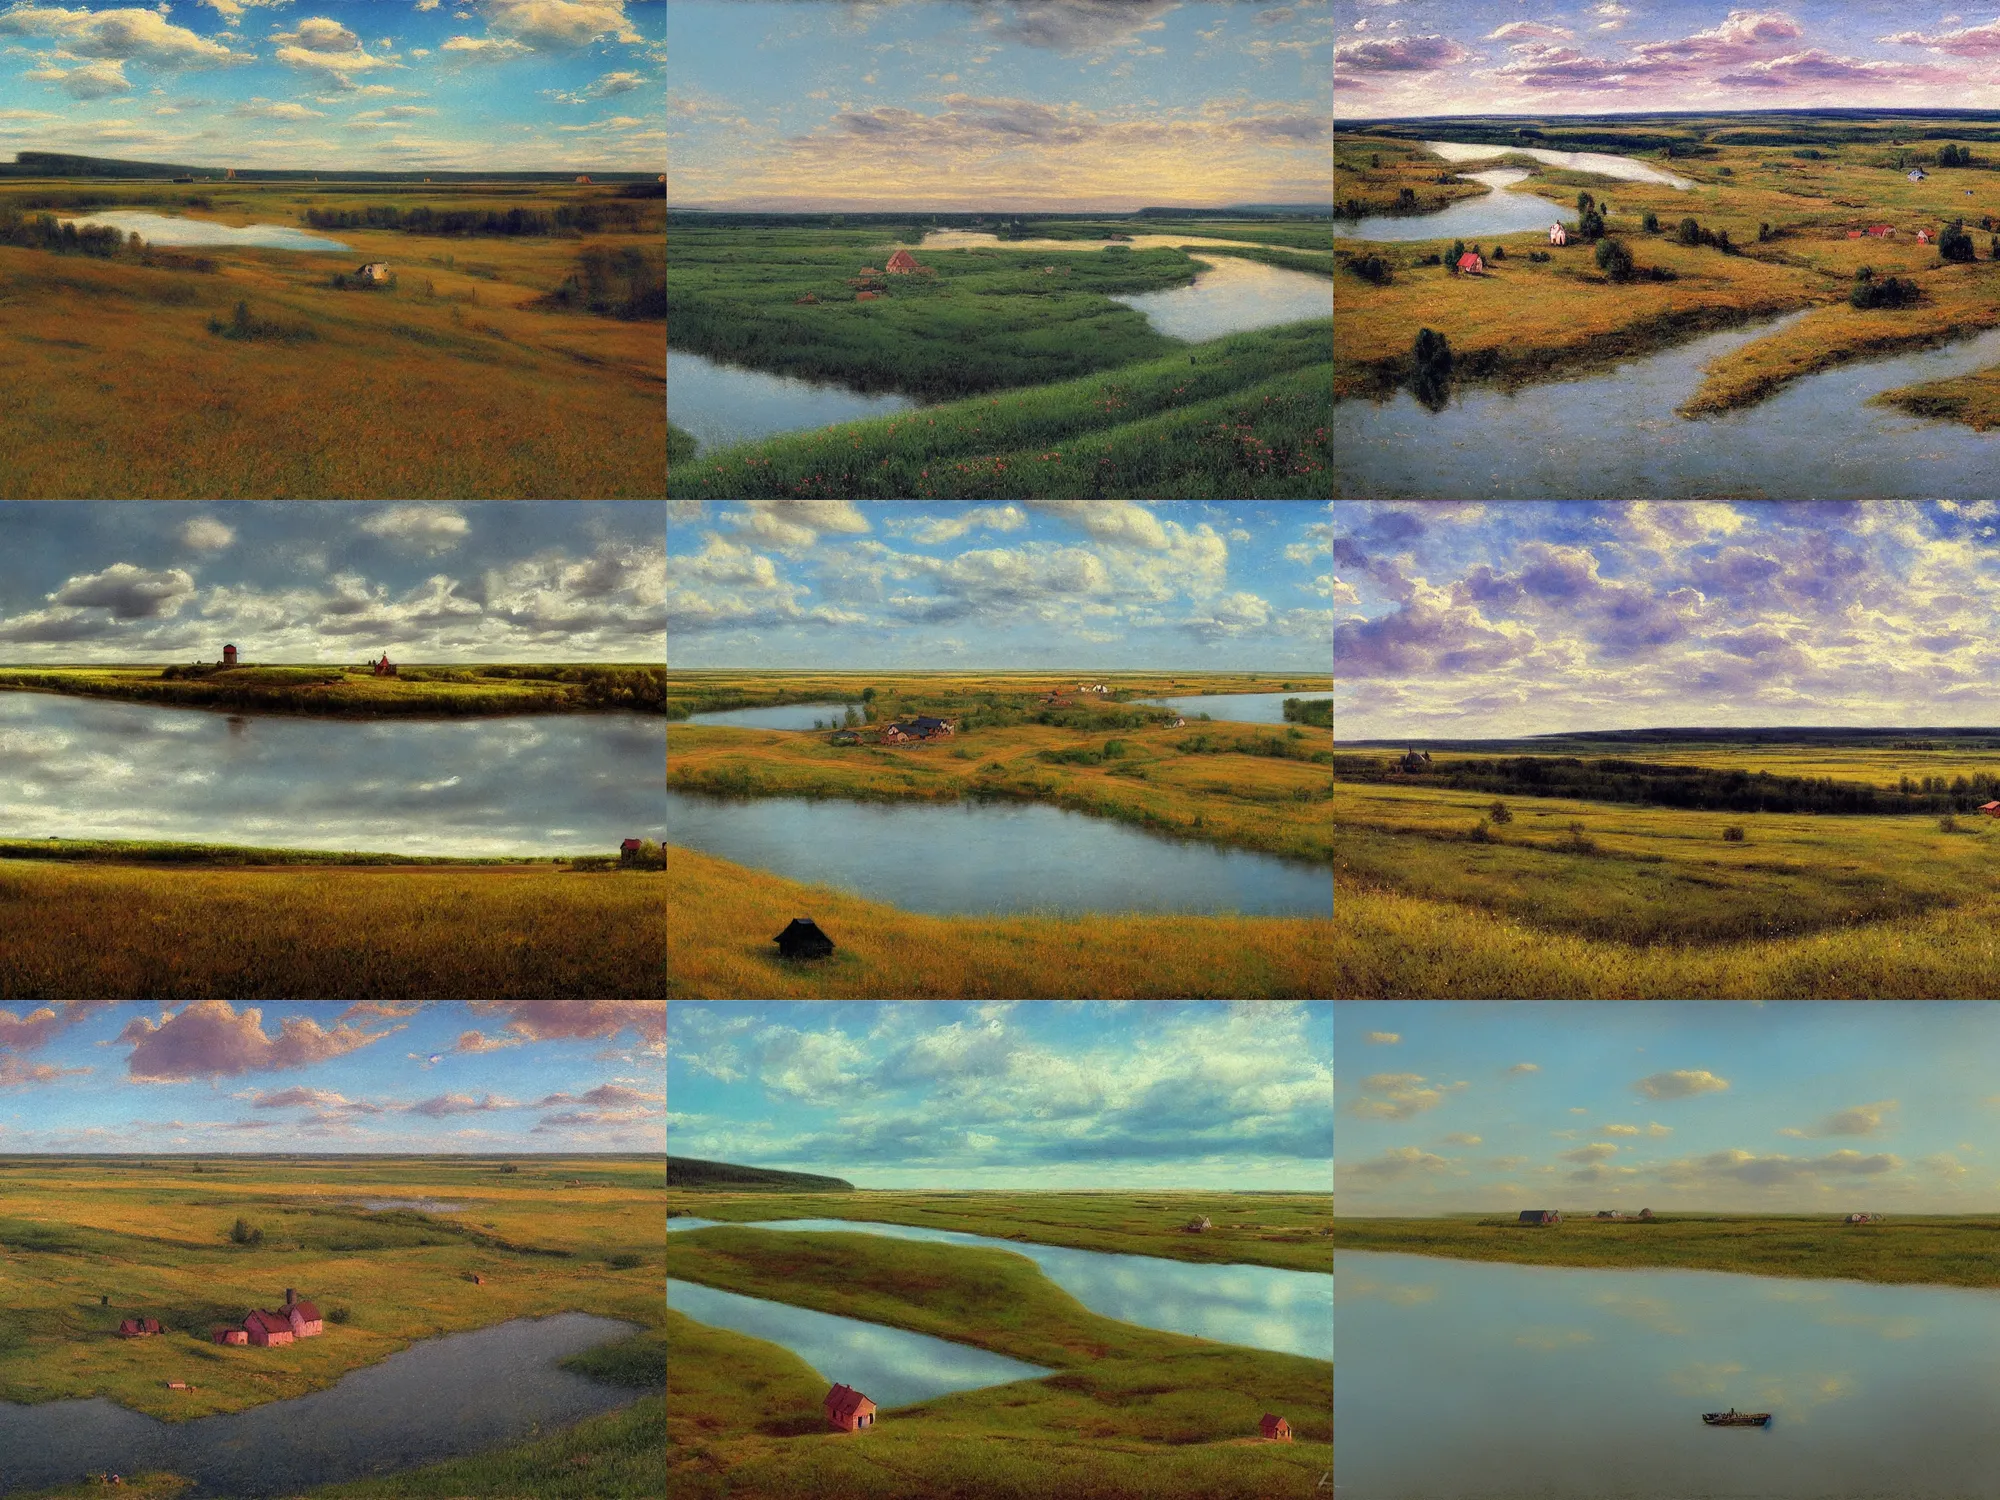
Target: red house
303 1316
268 1330
231 1336
1991 809
229 656
1470 264
1277 1429
385 667
138 1328
849 1410
902 263
630 848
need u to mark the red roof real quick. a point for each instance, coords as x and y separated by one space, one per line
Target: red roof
1469 261
632 844
268 1322
307 1311
902 260
843 1401
1270 1424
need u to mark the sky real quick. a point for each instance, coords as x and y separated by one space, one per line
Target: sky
1105 584
430 1077
331 581
1739 1107
1079 105
1430 57
1009 1094
397 85
1471 621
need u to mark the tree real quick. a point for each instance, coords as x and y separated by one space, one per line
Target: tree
1591 224
1584 203
868 695
1432 383
1732 835
1499 812
853 716
1614 260
1690 232
1955 244
1763 233
1650 223
1499 252
1451 261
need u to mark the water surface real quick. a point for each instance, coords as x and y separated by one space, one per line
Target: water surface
890 1366
979 239
1623 168
993 857
1262 1307
1478 1380
160 229
1502 211
439 1399
1238 708
1233 297
421 1205
786 716
726 404
82 768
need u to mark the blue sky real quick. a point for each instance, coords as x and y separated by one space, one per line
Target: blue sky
1104 584
998 104
1469 620
1790 1107
1430 57
325 1076
333 581
1029 1094
399 85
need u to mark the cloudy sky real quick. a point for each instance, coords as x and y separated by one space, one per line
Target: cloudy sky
1469 621
998 104
1796 1107
331 581
1030 1094
321 1076
380 84
1108 584
1430 57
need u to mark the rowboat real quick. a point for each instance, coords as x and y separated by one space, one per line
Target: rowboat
1735 1418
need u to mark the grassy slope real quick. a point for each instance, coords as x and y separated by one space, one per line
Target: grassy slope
722 917
693 1172
1132 1412
1240 417
1266 1229
1942 1251
507 931
680 444
447 386
351 691
1370 173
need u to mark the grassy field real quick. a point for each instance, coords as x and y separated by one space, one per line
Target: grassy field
458 381
356 692
1247 416
135 930
1937 1250
693 690
1130 1412
722 917
1259 1229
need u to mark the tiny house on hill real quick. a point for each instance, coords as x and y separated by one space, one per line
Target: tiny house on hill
231 1336
385 667
1991 809
1471 264
1274 1428
848 1410
268 1330
138 1328
1197 1224
229 656
803 939
1541 1216
902 263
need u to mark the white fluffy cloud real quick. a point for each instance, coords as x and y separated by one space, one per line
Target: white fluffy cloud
423 528
323 45
206 534
124 35
557 25
1682 1083
98 80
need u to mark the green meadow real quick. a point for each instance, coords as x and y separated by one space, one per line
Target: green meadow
356 692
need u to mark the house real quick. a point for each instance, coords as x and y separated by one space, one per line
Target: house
1863 1219
584 178
231 1336
1470 264
138 1328
385 667
1416 760
1274 1428
1609 1213
1558 235
1178 724
1646 1214
1882 231
1541 1216
229 656
1991 809
1923 236
629 850
803 939
1917 174
902 263
268 1330
1197 1224
931 729
303 1316
848 1410
1854 234
375 270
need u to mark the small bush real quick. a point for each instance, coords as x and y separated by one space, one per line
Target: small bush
244 325
1947 824
1499 812
1578 841
1732 835
1650 223
339 1314
1614 260
625 1261
1499 252
1480 832
1871 291
1955 243
1689 232
1372 269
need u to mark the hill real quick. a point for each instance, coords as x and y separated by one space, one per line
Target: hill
691 1172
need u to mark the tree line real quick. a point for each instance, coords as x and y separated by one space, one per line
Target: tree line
630 282
1691 787
586 218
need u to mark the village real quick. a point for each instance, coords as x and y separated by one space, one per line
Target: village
1550 1217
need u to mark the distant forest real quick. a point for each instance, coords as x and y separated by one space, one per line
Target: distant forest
1691 787
691 1172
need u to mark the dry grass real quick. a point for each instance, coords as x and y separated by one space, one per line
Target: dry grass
721 919
146 932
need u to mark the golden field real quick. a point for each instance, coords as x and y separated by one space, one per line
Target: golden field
448 385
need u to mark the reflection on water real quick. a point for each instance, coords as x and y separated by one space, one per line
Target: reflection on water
1239 708
439 1399
1624 168
890 1366
725 404
1480 1380
1262 1307
1498 212
421 1205
788 716
993 857
159 229
1234 296
82 768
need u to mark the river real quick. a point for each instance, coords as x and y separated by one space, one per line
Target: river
986 857
1474 1379
1261 1307
1613 434
1238 708
1501 211
1600 163
1233 296
722 405
786 716
161 229
890 1366
85 768
439 1399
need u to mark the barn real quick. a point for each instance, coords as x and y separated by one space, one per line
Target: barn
803 939
303 1316
1646 1214
1558 235
1470 264
138 1328
1275 1428
848 1410
385 667
231 1336
1991 809
902 263
1541 1216
629 849
268 1330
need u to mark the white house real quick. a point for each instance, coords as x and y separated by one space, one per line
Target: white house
1558 235
375 270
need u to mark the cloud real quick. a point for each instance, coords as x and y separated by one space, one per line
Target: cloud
1681 1084
96 80
486 49
263 109
205 534
459 1104
1516 30
936 530
1398 1163
24 1033
1071 26
18 1072
120 35
1460 1138
606 1096
1745 1167
1972 41
557 25
475 1041
322 44
1596 1151
129 592
579 1020
1520 1069
1399 54
232 10
792 525
1815 68
1860 1119
1402 1095
1385 1038
210 1039
319 1099
422 528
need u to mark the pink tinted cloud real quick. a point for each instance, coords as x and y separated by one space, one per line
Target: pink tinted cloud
1814 68
1744 35
609 1094
18 1071
1973 41
478 1041
388 1010
1515 30
459 1104
1399 54
579 1020
210 1038
24 1033
318 1099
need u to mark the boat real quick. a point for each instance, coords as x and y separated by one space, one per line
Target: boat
1735 1418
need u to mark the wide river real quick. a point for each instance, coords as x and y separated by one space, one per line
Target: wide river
160 229
1501 211
1262 1307
993 857
891 1366
84 768
785 716
443 1398
722 405
1482 1381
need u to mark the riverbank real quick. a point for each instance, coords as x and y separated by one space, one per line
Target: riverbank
415 691
680 445
1940 1251
721 919
1260 1229
142 931
698 690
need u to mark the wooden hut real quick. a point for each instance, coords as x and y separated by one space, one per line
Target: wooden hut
1471 264
229 656
138 1328
629 849
303 1316
1541 1216
268 1330
1274 1428
803 939
1646 1214
1198 1223
1991 809
231 1336
848 1410
902 263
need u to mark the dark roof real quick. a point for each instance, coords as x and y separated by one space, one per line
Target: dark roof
1270 1423
804 936
267 1322
843 1401
633 844
307 1311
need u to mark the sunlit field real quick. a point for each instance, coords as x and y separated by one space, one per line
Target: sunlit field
357 692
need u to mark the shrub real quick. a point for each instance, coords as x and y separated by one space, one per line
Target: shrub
1113 749
1614 260
1372 269
1499 252
1732 835
1432 353
1499 812
1578 842
1955 244
1451 260
1947 824
625 1260
348 281
507 1168
1480 832
339 1315
1763 233
1870 291
1689 233
1650 223
244 325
